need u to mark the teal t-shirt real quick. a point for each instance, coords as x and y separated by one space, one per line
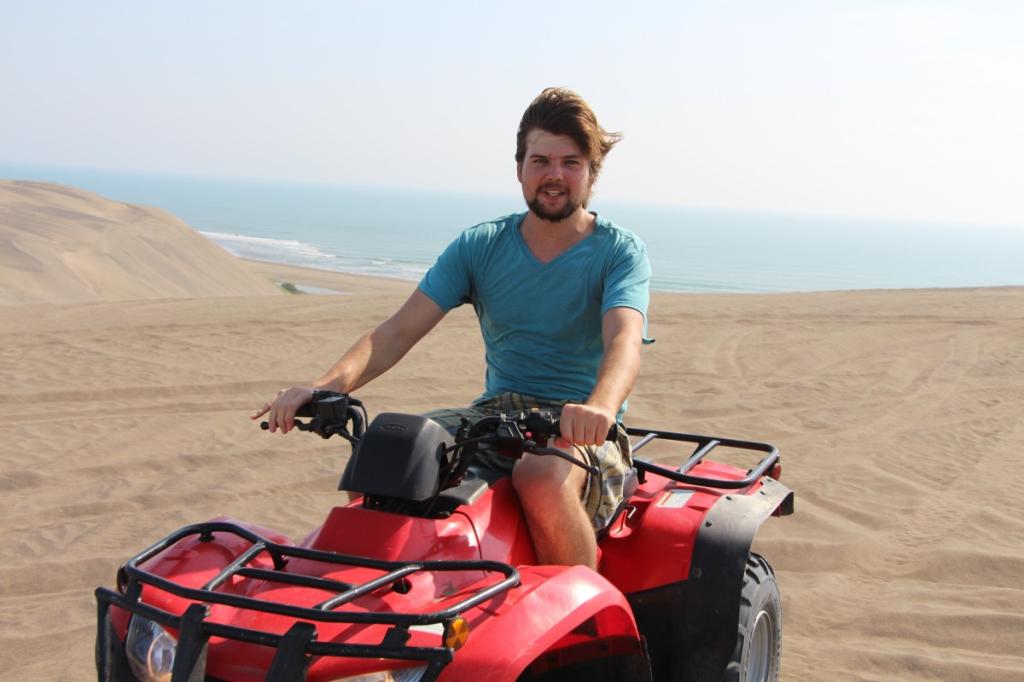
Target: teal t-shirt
541 322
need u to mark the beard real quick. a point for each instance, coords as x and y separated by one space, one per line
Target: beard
571 205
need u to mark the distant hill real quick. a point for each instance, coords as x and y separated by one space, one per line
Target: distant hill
61 244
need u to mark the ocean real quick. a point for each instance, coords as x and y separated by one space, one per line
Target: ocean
399 232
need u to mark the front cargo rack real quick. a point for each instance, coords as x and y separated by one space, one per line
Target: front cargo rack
298 644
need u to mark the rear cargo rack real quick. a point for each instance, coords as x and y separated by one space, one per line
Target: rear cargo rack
295 646
704 445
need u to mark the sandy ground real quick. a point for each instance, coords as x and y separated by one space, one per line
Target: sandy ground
898 415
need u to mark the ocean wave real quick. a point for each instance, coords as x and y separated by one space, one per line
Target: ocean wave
303 254
287 251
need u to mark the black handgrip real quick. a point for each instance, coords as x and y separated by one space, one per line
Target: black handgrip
308 410
301 426
312 408
545 424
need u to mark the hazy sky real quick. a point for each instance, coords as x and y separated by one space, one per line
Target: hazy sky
876 108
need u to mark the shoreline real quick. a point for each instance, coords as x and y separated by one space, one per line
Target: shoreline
300 275
691 252
340 283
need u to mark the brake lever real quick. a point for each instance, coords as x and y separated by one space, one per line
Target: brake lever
301 426
593 470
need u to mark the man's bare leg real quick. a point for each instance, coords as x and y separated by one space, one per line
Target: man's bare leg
549 490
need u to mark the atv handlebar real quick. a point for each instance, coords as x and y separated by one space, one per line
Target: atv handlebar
331 414
516 433
513 434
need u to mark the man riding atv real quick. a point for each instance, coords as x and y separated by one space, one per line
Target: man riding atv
561 295
432 547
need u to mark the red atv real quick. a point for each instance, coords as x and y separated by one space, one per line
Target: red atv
431 575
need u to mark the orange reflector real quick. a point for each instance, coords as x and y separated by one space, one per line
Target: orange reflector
456 632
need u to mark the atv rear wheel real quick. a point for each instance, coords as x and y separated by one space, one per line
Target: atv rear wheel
759 637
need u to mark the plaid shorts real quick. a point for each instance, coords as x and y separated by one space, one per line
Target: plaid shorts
602 494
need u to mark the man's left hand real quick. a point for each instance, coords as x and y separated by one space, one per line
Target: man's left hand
586 424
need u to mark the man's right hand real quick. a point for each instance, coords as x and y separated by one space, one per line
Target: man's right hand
585 424
281 409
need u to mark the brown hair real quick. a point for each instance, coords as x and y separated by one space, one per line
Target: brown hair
561 111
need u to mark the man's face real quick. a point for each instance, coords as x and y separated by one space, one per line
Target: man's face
555 175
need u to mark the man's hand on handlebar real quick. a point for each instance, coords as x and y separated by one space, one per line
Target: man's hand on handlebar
281 409
585 424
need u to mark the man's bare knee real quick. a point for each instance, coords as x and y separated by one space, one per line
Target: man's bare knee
541 477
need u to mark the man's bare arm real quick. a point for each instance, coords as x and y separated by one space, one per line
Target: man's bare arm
374 353
622 331
380 349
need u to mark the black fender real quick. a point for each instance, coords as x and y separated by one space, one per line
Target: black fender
691 626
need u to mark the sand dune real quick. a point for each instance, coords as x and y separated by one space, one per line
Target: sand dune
898 415
59 244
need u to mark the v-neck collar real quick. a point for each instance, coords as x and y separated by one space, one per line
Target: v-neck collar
536 262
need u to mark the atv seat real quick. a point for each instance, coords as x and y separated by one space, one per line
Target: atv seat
474 484
479 479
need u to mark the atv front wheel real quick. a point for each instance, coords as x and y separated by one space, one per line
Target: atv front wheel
759 637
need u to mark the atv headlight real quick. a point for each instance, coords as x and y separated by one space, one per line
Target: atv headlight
403 675
150 650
